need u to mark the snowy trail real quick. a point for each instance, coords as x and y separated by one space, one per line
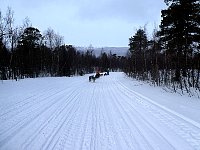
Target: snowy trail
71 113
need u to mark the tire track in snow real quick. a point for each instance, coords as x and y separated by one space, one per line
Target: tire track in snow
54 116
35 97
64 120
66 136
30 117
86 134
15 110
21 99
24 111
185 128
140 123
115 137
65 117
24 105
130 132
104 133
76 131
90 129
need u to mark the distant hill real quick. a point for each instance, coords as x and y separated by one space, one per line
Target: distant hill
120 51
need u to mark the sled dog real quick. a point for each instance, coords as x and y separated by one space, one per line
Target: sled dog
92 78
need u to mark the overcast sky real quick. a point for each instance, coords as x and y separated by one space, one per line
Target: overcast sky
84 22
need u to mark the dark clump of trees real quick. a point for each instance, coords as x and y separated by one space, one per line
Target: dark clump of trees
172 57
26 53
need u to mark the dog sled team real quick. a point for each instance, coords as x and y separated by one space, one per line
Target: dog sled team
97 75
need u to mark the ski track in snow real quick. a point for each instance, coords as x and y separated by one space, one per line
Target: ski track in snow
74 114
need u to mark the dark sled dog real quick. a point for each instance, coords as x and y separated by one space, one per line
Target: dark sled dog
92 78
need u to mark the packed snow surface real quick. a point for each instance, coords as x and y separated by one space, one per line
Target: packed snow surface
113 113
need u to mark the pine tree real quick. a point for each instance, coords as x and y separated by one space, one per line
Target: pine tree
138 47
29 50
180 33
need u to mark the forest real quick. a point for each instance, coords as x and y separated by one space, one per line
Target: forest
170 58
26 53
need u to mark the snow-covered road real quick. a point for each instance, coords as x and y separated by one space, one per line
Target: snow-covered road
73 114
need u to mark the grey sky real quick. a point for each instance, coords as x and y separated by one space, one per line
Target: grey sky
84 22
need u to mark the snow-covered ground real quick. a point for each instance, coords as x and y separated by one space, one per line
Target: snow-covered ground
114 113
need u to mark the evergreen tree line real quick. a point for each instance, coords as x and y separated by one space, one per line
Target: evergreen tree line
25 52
172 57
